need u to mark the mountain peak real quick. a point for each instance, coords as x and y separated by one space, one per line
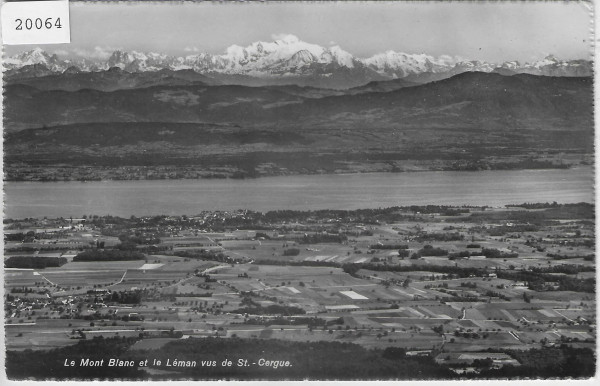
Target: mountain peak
37 51
301 58
35 54
343 58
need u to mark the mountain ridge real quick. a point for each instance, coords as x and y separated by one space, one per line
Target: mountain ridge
520 96
471 121
294 61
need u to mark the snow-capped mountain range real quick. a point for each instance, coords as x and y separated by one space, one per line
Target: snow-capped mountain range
289 58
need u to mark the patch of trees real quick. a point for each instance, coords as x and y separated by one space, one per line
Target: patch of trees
462 255
45 247
567 283
388 246
536 205
108 255
272 309
548 362
429 250
37 262
459 298
21 290
195 295
322 238
403 253
352 268
250 307
125 297
25 248
467 334
15 236
493 253
580 210
436 286
130 241
569 269
364 216
454 236
153 248
291 252
494 294
538 281
483 363
558 256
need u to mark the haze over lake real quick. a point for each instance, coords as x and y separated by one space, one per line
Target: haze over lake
348 191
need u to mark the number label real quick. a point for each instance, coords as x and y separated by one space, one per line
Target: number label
38 23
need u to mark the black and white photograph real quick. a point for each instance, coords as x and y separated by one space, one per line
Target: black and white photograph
324 191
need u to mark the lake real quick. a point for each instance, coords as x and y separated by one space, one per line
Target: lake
346 191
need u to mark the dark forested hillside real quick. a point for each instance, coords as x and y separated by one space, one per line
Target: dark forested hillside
472 121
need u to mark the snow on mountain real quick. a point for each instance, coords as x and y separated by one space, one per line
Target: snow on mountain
288 56
139 61
265 54
511 65
549 60
471 66
336 55
284 55
300 59
36 56
551 66
400 65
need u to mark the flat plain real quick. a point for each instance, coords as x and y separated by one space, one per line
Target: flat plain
432 279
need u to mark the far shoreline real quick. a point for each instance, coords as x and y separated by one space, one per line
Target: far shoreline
292 174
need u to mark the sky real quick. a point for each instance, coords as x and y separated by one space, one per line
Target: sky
495 32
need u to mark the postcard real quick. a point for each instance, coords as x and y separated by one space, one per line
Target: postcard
323 191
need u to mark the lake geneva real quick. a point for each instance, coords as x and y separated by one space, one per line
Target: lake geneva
346 191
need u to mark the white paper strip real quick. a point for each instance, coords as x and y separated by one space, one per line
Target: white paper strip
36 22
